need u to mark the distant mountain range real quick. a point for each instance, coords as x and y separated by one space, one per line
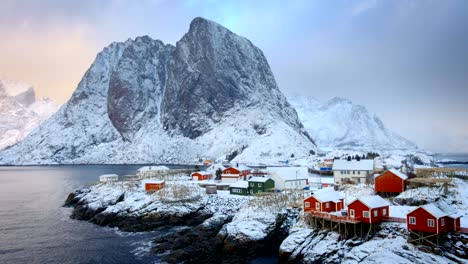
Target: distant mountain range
21 111
143 101
338 123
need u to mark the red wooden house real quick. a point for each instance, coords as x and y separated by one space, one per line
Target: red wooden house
324 201
369 209
233 174
154 185
433 218
391 181
201 176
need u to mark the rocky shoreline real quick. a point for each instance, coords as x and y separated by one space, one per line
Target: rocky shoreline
228 229
203 230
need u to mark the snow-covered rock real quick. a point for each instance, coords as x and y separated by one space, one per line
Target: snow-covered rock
338 123
20 111
142 101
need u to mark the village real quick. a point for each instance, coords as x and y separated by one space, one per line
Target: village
349 196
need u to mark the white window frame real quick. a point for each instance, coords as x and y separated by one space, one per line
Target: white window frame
307 204
430 222
317 205
442 221
351 212
327 205
259 185
384 212
412 220
376 213
252 184
365 214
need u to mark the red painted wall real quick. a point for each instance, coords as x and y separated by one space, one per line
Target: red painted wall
453 225
232 170
359 208
311 200
154 186
333 207
389 183
200 176
421 222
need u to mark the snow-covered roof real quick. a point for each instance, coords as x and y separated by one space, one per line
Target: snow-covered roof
241 167
258 179
397 173
328 196
108 176
362 165
155 181
439 209
373 201
201 172
290 173
240 184
151 168
434 210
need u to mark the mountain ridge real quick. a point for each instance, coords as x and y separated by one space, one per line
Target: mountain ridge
339 123
143 101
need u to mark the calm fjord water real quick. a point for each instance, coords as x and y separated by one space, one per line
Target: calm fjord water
35 228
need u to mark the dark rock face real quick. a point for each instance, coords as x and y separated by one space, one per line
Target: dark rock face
213 71
136 85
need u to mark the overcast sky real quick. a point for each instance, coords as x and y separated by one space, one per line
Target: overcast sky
406 61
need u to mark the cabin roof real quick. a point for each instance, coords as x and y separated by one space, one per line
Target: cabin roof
108 176
397 173
438 209
290 173
372 201
362 165
240 184
327 195
155 181
259 179
201 172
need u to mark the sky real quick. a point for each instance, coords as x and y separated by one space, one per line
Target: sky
405 60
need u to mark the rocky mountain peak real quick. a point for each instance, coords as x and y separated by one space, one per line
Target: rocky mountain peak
212 94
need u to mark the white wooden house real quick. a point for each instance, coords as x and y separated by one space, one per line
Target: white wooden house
289 177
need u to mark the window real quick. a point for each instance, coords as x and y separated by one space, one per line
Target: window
351 212
252 184
354 172
384 212
365 214
376 213
430 222
327 205
307 204
358 172
259 185
412 220
317 206
442 221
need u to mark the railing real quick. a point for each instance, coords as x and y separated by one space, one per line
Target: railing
395 219
335 218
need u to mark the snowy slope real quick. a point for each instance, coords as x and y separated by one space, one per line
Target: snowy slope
338 123
143 101
20 111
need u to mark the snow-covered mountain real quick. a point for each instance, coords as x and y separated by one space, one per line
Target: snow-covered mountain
20 111
143 101
338 123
